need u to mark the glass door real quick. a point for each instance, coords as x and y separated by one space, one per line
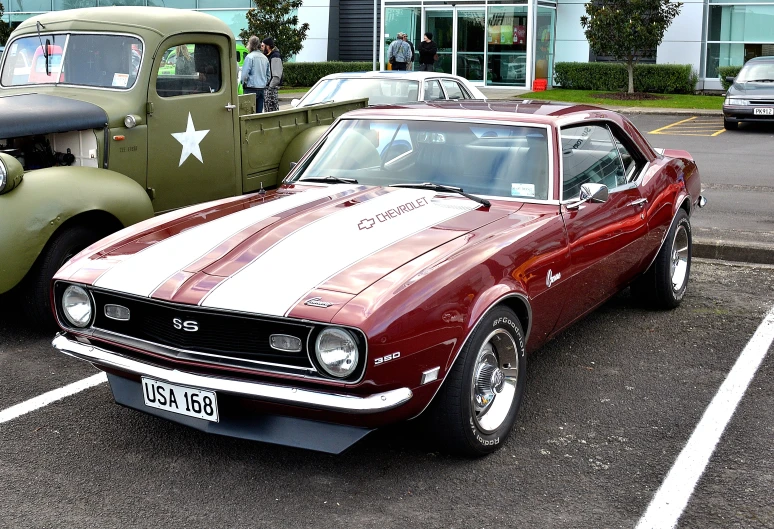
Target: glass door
400 20
440 22
471 40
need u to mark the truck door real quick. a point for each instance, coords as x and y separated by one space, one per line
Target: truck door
191 125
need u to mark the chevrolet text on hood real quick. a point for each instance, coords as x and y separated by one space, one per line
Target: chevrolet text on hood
370 289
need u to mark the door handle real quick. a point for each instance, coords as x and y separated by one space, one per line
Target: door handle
230 107
638 202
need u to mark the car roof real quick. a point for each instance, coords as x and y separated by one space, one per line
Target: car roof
765 58
390 74
522 110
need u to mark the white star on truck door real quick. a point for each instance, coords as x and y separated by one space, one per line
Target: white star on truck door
190 140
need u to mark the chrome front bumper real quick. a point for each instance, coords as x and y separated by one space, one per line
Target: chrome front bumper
251 390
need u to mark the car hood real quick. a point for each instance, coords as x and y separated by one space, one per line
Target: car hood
284 253
30 114
752 90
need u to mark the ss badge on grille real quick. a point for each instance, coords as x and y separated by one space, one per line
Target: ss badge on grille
189 325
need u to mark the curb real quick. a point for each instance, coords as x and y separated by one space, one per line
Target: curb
728 251
668 111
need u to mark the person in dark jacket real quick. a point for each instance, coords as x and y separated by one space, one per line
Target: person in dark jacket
275 65
410 63
427 51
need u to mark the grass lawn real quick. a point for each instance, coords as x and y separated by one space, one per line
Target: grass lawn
589 97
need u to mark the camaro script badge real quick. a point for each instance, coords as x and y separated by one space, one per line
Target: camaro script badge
551 278
317 302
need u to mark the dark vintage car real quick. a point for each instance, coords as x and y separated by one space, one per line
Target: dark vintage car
751 95
370 288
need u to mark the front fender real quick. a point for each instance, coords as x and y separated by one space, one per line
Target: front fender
47 198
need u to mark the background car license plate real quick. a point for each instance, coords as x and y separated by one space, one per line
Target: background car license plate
763 111
180 399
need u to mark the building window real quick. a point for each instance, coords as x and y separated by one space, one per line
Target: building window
507 45
736 33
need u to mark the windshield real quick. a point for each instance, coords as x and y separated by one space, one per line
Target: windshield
378 91
756 71
492 160
106 61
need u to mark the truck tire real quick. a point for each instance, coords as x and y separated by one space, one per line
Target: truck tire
36 290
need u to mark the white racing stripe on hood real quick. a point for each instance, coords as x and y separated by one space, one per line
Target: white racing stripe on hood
142 273
320 250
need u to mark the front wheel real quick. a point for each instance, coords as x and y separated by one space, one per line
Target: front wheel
477 405
730 125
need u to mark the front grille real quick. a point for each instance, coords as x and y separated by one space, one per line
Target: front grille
762 102
220 334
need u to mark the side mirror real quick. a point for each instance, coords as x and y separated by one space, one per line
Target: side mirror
730 79
11 173
589 192
294 103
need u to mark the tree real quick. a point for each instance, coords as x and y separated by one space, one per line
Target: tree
628 29
271 18
5 29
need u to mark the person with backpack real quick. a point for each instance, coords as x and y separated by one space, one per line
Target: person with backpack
399 53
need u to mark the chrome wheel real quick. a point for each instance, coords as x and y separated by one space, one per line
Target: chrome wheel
495 377
678 265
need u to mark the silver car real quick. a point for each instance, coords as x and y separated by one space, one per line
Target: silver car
751 95
389 87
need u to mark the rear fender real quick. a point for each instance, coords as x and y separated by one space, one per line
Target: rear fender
48 198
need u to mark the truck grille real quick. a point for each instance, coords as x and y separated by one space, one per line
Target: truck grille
223 335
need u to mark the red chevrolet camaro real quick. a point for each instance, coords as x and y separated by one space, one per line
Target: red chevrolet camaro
405 268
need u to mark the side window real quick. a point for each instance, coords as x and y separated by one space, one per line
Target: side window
433 90
453 90
189 69
589 155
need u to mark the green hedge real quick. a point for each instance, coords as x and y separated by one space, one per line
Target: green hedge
607 76
308 73
730 71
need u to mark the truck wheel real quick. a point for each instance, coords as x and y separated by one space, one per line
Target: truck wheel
36 292
477 405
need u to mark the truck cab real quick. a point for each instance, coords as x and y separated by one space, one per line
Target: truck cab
111 115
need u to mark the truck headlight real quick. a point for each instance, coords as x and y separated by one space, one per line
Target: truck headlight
336 351
76 305
11 172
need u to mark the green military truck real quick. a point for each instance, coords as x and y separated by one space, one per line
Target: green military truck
96 132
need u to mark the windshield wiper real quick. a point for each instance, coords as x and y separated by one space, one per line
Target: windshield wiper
45 48
446 189
329 180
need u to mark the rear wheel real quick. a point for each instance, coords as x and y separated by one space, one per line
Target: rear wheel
665 282
36 290
730 125
477 405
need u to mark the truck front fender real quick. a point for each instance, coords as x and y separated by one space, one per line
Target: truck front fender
47 199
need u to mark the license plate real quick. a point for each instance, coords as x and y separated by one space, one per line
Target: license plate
763 111
180 399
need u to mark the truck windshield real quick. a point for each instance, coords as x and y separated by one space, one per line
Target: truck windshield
104 61
378 91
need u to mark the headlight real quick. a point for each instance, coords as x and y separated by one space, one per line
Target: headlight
3 176
736 102
336 351
76 305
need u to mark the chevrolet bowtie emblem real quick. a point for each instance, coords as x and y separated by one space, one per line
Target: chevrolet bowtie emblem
366 224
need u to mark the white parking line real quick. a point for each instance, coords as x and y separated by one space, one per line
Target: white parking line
671 498
52 396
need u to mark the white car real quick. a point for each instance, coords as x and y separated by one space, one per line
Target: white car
389 87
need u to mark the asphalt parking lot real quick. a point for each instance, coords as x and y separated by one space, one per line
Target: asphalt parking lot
610 404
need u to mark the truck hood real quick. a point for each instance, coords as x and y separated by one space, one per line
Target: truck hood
300 247
30 114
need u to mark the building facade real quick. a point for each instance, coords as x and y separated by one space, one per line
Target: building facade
491 42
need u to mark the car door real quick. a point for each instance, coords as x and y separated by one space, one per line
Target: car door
432 91
607 240
191 129
453 89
